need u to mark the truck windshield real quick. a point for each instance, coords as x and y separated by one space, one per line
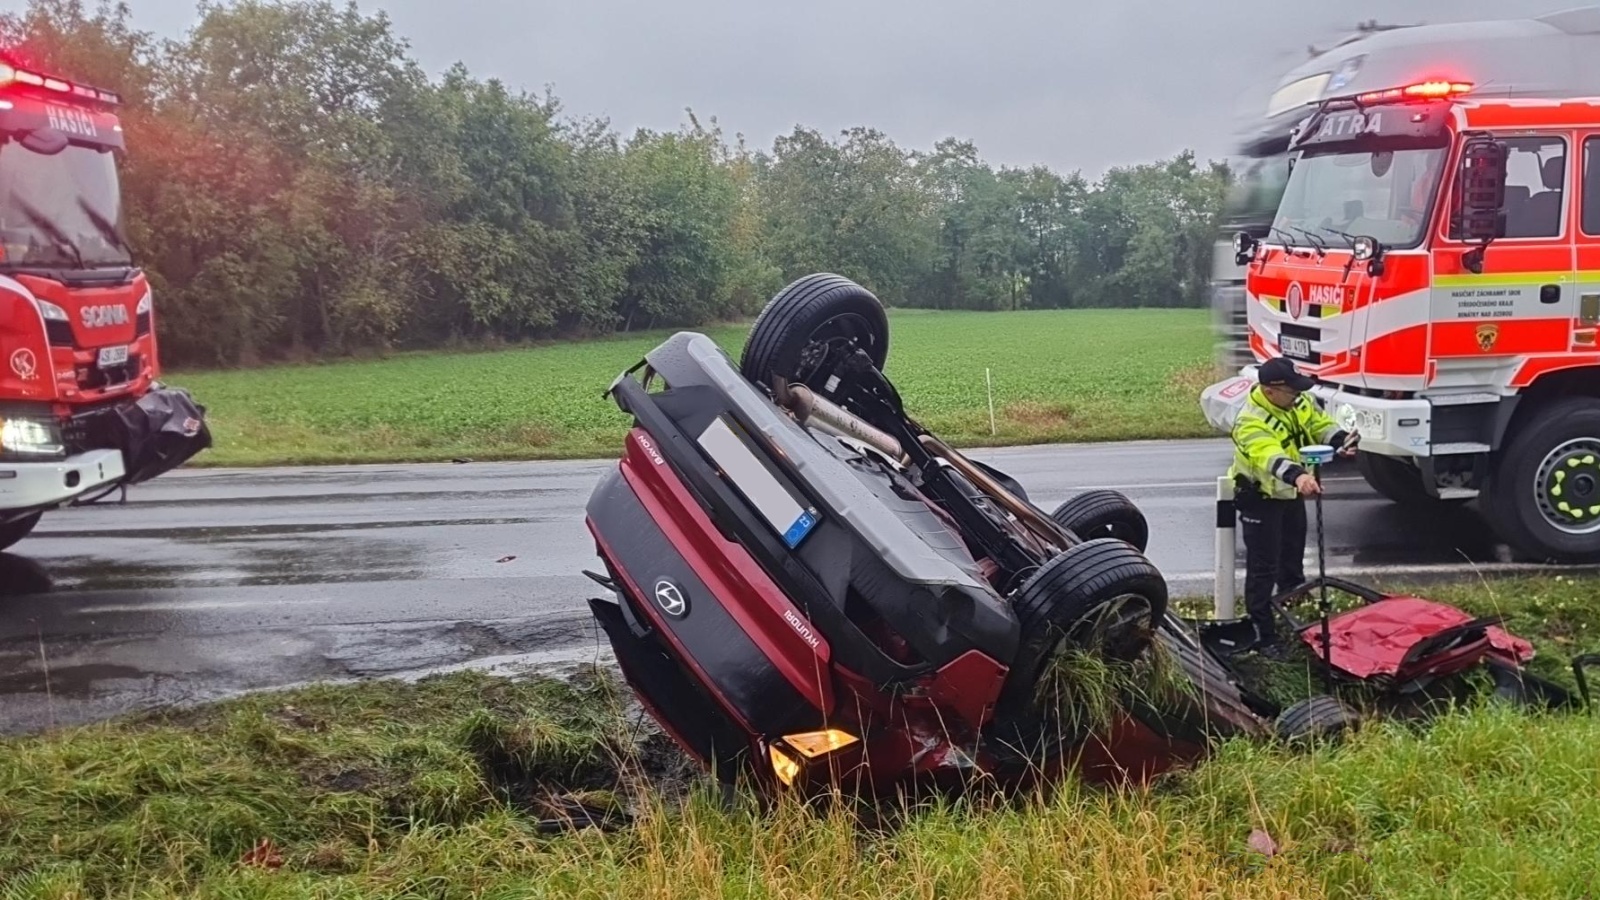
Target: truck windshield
60 210
1385 195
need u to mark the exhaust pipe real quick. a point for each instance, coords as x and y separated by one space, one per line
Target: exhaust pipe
811 409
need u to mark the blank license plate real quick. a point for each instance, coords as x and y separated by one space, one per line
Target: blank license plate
113 356
1299 348
787 516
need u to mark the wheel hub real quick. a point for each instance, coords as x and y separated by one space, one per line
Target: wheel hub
1119 629
829 339
1567 486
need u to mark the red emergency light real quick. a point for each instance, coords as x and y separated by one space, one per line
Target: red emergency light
10 74
1424 90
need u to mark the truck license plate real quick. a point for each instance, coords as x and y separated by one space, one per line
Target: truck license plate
113 356
1298 348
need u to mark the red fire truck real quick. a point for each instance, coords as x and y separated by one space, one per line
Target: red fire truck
1435 265
81 411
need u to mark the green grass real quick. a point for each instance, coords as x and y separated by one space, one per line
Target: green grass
435 790
1058 376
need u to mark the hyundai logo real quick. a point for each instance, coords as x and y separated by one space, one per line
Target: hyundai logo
671 599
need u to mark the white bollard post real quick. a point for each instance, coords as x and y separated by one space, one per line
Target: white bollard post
989 386
1223 593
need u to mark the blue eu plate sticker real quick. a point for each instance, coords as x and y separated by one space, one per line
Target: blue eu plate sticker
802 526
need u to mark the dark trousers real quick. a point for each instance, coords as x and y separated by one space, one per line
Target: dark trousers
1274 553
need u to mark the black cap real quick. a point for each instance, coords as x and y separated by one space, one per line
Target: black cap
1280 372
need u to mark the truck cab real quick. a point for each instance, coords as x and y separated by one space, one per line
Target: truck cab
1543 57
81 410
1434 265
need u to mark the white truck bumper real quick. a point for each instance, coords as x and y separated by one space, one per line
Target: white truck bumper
1388 427
41 485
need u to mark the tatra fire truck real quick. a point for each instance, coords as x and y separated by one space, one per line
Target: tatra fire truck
81 411
1435 266
1548 56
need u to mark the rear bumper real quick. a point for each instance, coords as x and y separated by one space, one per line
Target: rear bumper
43 485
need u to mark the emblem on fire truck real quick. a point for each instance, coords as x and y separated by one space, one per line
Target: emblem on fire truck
1295 302
25 364
1487 335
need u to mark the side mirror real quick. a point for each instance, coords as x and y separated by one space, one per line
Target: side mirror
1480 197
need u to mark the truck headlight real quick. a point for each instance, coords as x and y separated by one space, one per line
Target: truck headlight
31 438
145 304
51 311
1346 417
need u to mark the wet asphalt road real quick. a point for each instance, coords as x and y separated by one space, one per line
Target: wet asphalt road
209 582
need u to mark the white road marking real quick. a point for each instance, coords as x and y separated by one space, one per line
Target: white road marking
1418 569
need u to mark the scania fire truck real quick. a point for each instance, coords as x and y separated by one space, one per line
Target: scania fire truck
1435 265
81 411
1548 56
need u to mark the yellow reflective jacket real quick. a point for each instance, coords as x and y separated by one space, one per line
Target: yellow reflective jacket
1267 442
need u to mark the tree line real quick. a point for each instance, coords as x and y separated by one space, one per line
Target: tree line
295 185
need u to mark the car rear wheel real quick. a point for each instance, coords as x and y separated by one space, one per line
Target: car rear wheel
1101 597
1317 718
807 327
11 532
1102 513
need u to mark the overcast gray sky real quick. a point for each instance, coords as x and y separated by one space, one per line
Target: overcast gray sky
1073 85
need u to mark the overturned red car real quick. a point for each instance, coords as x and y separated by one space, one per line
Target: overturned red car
810 589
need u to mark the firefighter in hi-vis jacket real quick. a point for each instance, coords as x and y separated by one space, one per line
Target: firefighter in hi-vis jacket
1271 484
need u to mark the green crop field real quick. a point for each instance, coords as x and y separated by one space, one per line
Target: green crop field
1077 375
439 789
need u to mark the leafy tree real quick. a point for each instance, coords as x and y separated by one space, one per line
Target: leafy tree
295 185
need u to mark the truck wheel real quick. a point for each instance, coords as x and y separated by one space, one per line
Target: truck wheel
1100 596
807 324
11 532
1395 479
1543 495
1101 513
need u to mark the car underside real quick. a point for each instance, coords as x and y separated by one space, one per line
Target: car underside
807 580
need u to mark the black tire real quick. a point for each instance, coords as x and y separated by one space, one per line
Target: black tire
1101 513
1064 600
799 333
11 532
1518 501
1317 718
1058 605
1396 480
1217 710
